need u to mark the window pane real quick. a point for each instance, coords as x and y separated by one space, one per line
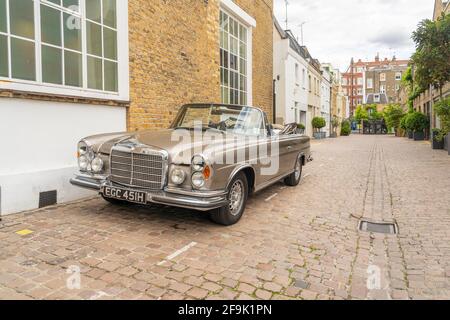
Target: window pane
3 56
3 27
51 25
72 32
73 69
94 10
111 80
94 38
22 18
71 4
51 65
110 45
58 2
94 66
22 59
109 13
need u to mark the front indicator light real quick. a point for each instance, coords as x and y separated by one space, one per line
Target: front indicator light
207 172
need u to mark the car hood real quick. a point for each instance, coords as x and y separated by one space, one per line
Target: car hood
180 144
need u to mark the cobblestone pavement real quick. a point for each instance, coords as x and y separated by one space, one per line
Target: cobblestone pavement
292 243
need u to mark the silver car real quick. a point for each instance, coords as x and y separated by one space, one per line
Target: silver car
211 159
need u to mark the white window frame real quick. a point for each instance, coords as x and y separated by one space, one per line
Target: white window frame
232 9
398 76
369 83
38 87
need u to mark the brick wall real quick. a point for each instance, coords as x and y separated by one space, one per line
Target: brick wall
174 57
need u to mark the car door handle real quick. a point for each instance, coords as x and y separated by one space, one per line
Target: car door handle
289 147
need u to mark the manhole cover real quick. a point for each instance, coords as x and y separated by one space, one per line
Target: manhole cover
301 284
385 228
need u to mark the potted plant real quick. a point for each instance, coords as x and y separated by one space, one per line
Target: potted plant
408 126
301 128
418 122
335 123
346 128
442 109
403 127
318 123
438 139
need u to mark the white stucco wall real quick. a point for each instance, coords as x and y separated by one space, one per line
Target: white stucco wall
38 148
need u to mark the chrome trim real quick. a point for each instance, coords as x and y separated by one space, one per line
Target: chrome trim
235 173
202 194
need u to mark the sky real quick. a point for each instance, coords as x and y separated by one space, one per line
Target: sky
337 30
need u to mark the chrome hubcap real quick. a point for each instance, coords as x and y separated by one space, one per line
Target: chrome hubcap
236 197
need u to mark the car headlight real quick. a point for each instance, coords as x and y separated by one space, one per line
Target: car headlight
178 176
82 149
83 163
198 163
198 180
97 165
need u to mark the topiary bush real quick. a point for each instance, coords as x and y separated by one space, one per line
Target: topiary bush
417 122
346 128
442 109
318 123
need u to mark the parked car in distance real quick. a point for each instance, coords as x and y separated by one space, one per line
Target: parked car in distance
205 161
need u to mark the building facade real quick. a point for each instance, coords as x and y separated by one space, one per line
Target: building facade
80 67
376 82
325 98
290 79
314 94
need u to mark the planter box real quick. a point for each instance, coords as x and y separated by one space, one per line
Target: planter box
333 135
324 135
317 135
419 136
437 145
446 142
410 135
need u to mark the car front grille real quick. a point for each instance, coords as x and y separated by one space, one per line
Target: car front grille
138 170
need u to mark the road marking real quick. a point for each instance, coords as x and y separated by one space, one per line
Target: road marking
99 295
282 188
24 232
177 253
271 197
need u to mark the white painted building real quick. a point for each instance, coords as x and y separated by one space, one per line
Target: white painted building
291 79
63 75
325 99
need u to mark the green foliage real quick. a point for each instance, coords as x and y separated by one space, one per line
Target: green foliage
335 122
417 122
403 124
301 126
346 128
361 114
318 123
432 56
442 109
393 114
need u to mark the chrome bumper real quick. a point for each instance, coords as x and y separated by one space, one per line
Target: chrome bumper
197 200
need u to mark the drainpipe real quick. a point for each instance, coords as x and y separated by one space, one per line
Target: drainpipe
431 113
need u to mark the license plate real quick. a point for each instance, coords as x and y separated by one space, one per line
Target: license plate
126 195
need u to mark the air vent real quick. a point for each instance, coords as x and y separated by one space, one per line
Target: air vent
384 228
48 198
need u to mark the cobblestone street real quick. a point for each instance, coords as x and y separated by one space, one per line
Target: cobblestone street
292 243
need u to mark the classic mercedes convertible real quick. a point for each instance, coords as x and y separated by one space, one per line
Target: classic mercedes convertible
211 159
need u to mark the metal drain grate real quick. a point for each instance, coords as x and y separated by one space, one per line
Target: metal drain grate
385 228
48 198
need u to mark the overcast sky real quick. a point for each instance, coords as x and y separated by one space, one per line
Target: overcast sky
337 30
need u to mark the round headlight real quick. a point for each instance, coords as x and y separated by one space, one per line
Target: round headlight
97 165
198 163
83 163
198 180
178 176
82 148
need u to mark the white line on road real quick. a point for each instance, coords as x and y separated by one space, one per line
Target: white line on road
271 197
177 253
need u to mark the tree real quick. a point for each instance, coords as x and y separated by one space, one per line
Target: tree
318 123
361 114
432 56
393 115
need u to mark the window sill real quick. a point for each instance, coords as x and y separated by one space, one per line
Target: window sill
12 93
45 90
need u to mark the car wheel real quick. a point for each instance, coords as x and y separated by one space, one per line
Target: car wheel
294 179
237 197
116 202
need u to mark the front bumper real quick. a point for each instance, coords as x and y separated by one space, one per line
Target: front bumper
197 200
